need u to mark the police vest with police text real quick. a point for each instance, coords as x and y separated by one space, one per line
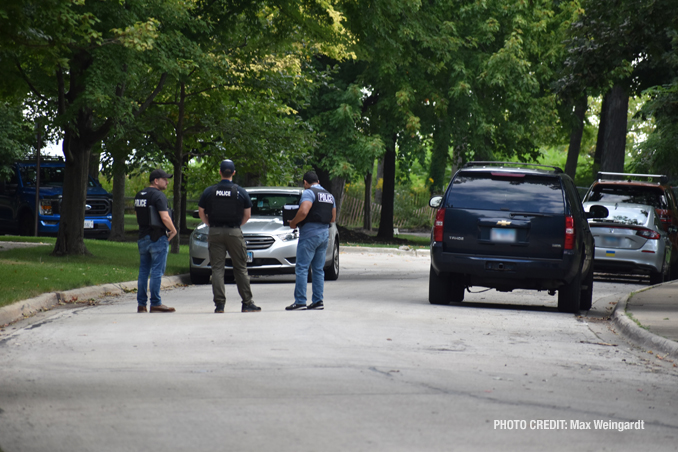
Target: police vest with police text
226 209
321 210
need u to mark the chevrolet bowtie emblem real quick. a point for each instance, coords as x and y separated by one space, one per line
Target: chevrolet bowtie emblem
503 223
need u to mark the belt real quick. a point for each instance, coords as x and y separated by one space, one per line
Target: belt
222 225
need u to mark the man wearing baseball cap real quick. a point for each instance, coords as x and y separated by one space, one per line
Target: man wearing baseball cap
225 207
156 229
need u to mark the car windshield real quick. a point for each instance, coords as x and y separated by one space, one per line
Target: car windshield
50 176
271 204
510 192
629 194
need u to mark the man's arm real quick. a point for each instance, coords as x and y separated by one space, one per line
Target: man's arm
203 215
167 221
246 215
304 208
334 215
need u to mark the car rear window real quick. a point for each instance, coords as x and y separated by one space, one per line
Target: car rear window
513 192
627 215
629 194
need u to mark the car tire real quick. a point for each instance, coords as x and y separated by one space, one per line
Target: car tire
199 278
229 278
673 271
332 272
26 225
569 295
457 288
439 287
586 297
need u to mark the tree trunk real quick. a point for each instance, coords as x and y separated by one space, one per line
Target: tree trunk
119 180
380 177
95 163
614 149
575 137
600 140
367 211
440 152
70 239
178 164
388 196
337 188
184 189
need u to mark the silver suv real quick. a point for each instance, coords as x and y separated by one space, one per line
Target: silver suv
271 247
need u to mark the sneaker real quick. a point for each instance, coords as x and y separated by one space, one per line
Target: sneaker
219 309
162 308
250 307
294 307
317 306
142 308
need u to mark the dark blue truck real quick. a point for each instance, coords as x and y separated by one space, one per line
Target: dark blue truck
17 201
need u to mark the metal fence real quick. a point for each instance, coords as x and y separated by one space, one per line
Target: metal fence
353 212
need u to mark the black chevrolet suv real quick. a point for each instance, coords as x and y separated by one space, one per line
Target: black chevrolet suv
511 226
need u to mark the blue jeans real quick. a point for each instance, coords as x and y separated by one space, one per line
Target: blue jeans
153 258
311 253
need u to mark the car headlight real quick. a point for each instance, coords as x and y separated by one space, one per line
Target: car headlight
288 236
46 207
200 234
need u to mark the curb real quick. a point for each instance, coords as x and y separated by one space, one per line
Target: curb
639 335
27 308
397 251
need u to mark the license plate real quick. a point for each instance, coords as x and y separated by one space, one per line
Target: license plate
612 242
503 235
250 257
89 224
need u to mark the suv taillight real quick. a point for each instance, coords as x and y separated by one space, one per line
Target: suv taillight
438 225
569 233
664 215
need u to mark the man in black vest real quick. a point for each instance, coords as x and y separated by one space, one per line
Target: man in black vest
225 207
317 210
156 229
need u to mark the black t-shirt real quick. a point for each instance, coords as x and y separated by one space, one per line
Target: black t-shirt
142 201
207 197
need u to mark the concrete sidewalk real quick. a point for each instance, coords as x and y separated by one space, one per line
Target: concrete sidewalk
649 317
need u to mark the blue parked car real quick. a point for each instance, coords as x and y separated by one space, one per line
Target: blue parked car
17 201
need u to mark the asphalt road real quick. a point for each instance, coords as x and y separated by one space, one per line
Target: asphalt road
380 369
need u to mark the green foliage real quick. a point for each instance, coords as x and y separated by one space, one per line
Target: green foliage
16 136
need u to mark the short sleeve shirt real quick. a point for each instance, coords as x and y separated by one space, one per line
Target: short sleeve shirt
157 199
312 229
206 197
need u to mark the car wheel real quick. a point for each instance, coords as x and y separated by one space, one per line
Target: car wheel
26 225
586 300
673 271
569 295
457 288
656 278
332 272
439 288
199 278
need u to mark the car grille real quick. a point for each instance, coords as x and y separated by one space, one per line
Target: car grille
259 242
98 206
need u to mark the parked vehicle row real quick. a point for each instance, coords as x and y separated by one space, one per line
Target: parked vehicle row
508 226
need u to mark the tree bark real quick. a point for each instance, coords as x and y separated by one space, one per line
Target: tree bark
440 152
95 163
380 177
600 140
388 196
614 149
184 190
178 164
337 188
367 211
575 136
119 180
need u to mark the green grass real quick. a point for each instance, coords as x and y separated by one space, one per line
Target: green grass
131 223
29 272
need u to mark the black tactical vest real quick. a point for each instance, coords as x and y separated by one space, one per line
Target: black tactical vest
321 210
225 209
142 207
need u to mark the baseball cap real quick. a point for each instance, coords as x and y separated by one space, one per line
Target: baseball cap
227 166
159 174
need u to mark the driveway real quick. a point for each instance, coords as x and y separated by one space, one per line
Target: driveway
380 369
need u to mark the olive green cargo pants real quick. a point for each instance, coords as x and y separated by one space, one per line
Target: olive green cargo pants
231 241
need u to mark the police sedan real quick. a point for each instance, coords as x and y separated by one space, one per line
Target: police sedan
271 246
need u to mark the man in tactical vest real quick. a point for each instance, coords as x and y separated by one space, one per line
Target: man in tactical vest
156 229
225 207
317 210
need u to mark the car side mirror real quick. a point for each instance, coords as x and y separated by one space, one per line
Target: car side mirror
597 212
435 202
196 214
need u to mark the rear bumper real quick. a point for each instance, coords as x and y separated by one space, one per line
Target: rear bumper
505 273
628 261
49 225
